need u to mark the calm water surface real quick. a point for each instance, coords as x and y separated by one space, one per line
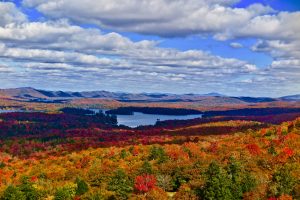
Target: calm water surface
9 111
139 119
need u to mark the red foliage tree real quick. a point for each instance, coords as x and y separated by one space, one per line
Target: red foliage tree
145 183
33 179
288 152
213 148
253 149
272 198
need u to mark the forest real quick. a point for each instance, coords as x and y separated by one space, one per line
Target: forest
153 110
149 100
74 153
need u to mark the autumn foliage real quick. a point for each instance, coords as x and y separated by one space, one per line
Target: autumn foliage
145 183
66 156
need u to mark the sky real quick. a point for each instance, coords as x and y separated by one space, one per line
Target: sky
233 47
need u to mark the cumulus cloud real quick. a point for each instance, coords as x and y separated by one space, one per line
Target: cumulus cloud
51 56
278 34
279 26
279 49
279 30
60 43
59 52
293 63
178 17
280 40
10 14
159 17
61 35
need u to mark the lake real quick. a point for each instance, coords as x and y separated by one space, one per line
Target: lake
10 111
141 119
137 119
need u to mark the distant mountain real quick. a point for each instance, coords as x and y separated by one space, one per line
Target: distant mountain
214 94
23 93
36 95
31 93
256 99
291 98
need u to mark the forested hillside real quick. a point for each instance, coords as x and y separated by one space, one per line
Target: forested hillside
212 160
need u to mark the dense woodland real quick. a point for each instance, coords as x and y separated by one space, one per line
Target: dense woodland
78 154
149 99
154 110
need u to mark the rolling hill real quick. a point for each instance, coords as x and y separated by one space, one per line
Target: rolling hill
32 94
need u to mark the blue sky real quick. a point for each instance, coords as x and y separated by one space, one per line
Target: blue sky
283 5
193 42
235 47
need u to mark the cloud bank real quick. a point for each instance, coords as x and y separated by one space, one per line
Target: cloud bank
61 51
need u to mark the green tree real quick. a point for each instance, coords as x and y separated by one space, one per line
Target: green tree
120 184
158 153
24 191
13 193
241 181
282 182
82 186
248 182
65 193
146 168
217 185
123 154
229 183
29 191
164 182
272 150
96 196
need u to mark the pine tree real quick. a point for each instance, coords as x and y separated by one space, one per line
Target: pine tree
218 185
82 186
120 184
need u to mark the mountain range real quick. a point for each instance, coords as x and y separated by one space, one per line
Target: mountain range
32 94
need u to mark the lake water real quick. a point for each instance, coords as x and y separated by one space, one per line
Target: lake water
139 119
9 111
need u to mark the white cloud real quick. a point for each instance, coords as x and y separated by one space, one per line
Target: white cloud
61 35
52 56
178 17
278 34
279 49
158 17
10 14
280 26
60 42
62 53
251 68
294 63
5 69
236 45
